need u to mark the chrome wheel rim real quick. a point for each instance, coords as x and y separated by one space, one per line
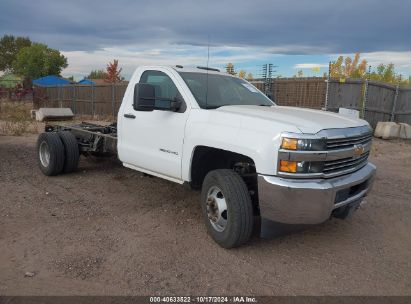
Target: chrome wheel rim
44 154
217 209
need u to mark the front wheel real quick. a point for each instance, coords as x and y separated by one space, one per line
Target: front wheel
227 208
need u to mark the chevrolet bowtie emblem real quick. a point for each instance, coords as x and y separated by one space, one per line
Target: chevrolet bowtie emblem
358 150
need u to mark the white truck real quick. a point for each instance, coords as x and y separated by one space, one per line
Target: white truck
253 160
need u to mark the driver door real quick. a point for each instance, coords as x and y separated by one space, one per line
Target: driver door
154 139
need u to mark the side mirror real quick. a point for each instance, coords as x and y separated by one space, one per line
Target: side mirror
176 104
144 97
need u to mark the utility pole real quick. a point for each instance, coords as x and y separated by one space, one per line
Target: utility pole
267 74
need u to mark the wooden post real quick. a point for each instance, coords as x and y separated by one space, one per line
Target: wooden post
394 104
328 86
364 104
60 98
73 98
45 99
113 98
92 99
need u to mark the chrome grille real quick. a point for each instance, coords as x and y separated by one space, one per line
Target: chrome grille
345 165
342 143
348 164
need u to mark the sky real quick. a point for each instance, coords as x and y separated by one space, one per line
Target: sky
290 34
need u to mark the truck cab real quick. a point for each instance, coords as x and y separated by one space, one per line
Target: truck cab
251 159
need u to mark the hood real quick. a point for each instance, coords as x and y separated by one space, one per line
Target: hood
306 120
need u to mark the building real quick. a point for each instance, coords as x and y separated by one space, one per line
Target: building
52 81
86 81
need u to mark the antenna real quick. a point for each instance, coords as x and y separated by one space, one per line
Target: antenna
208 59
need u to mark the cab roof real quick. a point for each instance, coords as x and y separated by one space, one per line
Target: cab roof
199 69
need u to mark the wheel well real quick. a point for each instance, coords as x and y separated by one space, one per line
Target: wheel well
206 159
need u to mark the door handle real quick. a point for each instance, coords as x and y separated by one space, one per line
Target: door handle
129 116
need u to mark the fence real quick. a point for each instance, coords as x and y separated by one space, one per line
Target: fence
376 101
82 99
297 92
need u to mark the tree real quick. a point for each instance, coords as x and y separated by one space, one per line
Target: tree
230 69
242 74
353 68
386 73
113 72
250 77
38 60
299 74
97 74
344 68
9 48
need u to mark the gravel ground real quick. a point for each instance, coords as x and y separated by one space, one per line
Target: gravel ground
107 230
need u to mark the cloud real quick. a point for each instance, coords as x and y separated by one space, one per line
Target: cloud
82 62
248 58
91 33
401 60
310 65
289 27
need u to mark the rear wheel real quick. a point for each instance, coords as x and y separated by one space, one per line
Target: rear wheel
50 151
72 153
227 208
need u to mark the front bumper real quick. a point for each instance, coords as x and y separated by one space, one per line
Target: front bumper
311 201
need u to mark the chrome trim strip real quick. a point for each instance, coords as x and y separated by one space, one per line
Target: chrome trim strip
330 134
302 155
347 152
321 175
320 155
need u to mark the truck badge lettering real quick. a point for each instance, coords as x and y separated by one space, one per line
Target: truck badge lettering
168 151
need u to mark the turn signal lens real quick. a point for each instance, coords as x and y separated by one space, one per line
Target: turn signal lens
288 166
289 143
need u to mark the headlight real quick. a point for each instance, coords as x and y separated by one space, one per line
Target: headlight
316 144
301 166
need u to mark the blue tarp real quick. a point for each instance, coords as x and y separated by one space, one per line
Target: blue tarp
51 81
86 81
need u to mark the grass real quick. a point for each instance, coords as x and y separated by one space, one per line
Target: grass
15 118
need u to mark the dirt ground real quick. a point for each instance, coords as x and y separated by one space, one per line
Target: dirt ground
107 230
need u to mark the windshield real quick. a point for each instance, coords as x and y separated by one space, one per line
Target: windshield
223 91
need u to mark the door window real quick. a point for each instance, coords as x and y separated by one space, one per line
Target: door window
164 87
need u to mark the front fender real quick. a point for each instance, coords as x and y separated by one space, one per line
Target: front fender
255 138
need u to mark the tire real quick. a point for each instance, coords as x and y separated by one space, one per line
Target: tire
50 153
72 153
234 227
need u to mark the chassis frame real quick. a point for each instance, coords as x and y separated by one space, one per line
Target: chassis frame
92 138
